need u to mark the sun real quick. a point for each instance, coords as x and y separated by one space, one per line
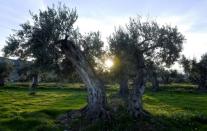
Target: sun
108 63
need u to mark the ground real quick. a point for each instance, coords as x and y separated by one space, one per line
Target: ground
174 107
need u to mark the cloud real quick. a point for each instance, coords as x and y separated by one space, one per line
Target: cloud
196 44
190 23
182 21
106 25
13 13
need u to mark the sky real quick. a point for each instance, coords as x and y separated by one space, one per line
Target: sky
104 15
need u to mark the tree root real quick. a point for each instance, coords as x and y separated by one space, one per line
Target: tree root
94 114
67 119
91 115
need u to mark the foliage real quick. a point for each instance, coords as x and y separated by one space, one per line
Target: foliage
5 69
195 71
119 46
160 45
37 40
92 47
203 67
168 76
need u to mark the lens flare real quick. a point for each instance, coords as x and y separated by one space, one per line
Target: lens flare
108 63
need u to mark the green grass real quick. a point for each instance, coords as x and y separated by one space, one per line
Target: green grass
20 111
174 107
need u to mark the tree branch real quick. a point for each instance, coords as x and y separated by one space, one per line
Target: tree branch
140 44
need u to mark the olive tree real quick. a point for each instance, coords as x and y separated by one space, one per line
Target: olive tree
203 72
5 70
152 70
151 41
50 38
147 40
196 71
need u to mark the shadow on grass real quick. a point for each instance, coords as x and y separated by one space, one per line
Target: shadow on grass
43 120
122 121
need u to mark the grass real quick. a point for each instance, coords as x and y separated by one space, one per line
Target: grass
174 107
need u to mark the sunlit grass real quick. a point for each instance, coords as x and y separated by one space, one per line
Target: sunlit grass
20 111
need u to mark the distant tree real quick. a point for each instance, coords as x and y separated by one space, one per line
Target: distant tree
167 76
190 68
120 48
148 41
164 74
23 72
49 39
153 72
64 70
203 72
177 77
5 70
30 70
196 71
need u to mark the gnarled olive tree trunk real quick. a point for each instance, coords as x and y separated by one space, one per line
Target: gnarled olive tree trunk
123 85
2 81
96 107
123 76
202 82
135 103
32 89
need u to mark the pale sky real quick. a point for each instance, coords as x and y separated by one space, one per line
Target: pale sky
189 15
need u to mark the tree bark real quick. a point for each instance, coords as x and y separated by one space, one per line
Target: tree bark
96 107
33 87
202 82
166 79
123 85
2 82
155 82
135 103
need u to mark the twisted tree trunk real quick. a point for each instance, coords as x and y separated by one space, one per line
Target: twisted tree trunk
123 76
123 85
202 82
135 103
2 81
96 107
32 90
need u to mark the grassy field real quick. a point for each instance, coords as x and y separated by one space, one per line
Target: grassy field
174 107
